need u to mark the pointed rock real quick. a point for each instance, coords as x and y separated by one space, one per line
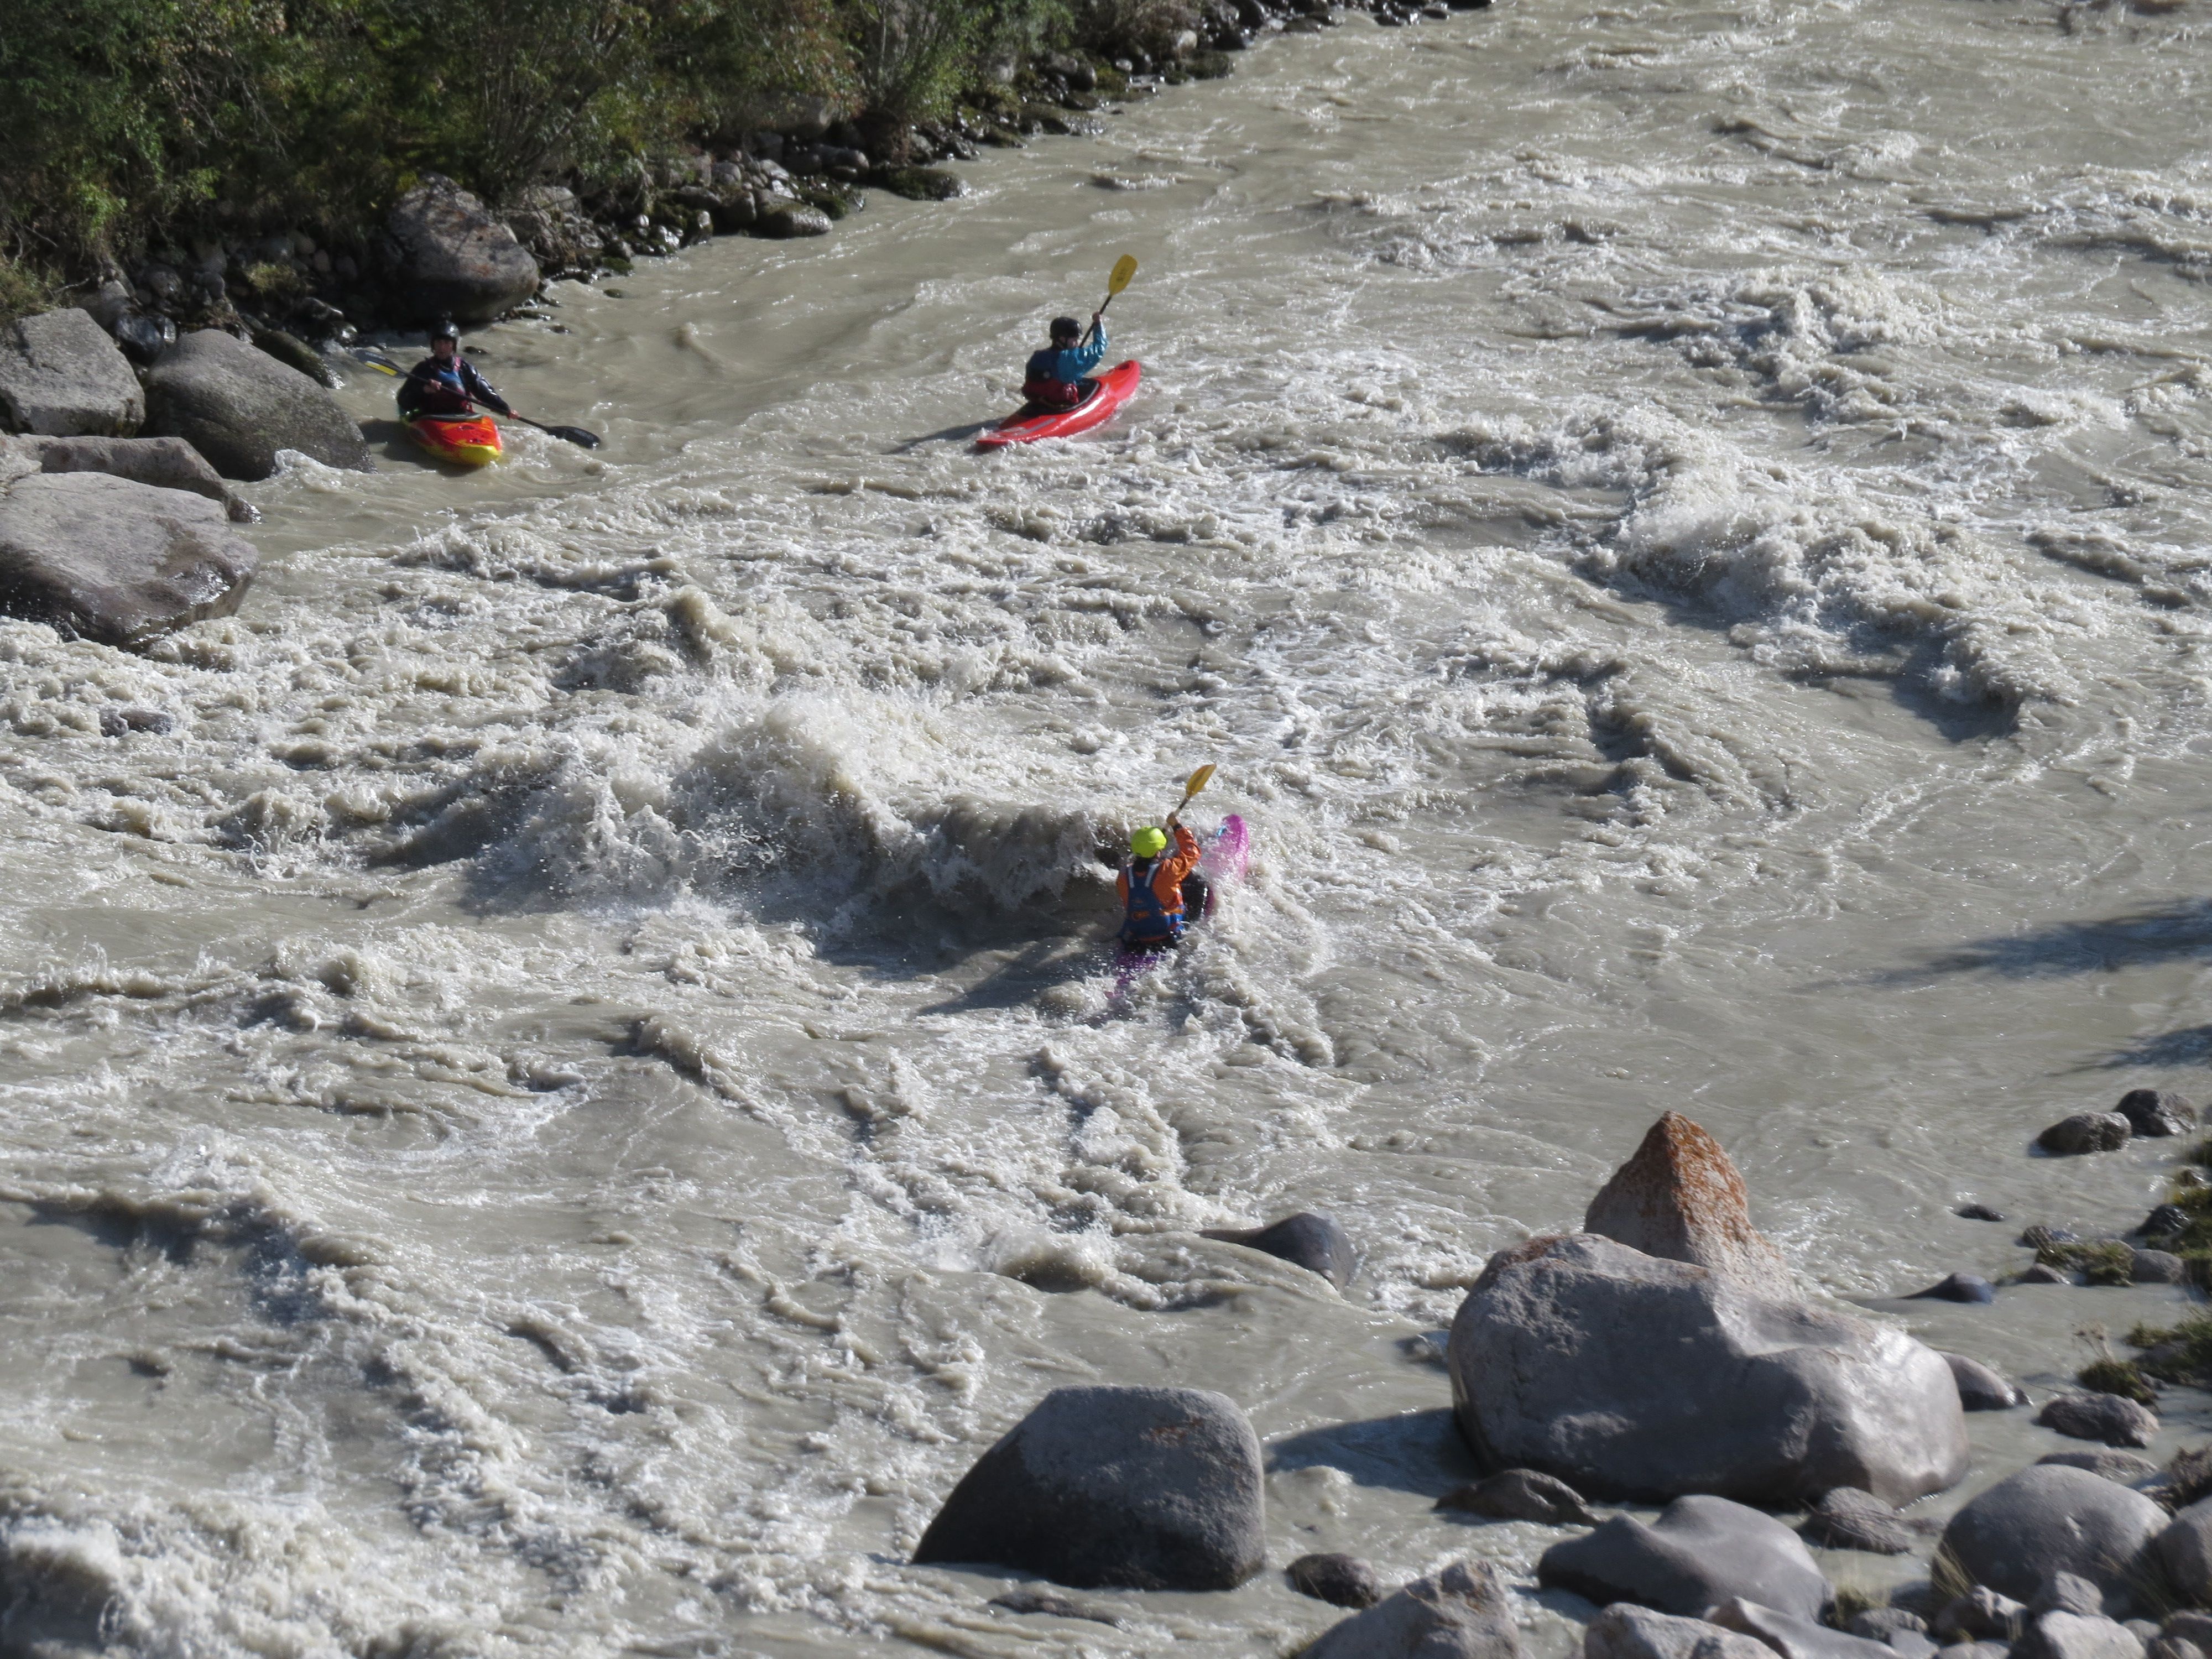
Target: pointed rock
1681 1198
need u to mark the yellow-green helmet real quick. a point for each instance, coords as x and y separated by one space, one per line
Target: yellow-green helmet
1149 842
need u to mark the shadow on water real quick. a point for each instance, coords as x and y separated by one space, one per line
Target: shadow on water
1418 1452
2166 933
2191 1045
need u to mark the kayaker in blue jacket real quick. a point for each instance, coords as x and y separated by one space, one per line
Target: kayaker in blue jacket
1055 379
446 383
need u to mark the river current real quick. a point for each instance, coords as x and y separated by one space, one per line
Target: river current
574 1089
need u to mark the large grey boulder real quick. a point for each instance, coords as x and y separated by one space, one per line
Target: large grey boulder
1128 1488
1631 1377
61 375
1682 1198
165 463
1625 1631
2050 1519
239 406
452 259
1699 1552
107 559
1794 1637
1465 1611
2183 1551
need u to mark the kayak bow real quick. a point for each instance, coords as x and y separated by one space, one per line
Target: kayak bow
464 439
1028 425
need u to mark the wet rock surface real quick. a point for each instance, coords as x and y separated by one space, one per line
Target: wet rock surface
2104 1417
1795 1637
1626 1630
2183 1551
2051 1519
110 560
1521 1495
1980 1389
164 463
1630 1376
1132 1488
239 407
1342 1580
2086 1132
2154 1112
62 376
1464 1612
1313 1242
1699 1552
1849 1519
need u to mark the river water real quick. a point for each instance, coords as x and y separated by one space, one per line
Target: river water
572 1092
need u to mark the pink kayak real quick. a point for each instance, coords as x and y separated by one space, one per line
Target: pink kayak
1115 387
1222 864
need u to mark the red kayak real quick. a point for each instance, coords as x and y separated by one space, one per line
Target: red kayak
1029 424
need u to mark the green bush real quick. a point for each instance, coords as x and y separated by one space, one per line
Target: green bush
2101 1261
2120 1377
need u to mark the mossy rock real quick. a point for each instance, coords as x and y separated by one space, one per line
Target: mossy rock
2121 1376
1208 65
920 184
2101 1261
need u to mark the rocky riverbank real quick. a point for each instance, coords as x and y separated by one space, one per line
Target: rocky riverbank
1664 1354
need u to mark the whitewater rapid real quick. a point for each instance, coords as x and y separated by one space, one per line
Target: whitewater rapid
574 1090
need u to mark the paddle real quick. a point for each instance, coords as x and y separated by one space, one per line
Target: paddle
1124 269
573 435
1198 780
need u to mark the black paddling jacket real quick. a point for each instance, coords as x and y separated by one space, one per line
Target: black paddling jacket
434 388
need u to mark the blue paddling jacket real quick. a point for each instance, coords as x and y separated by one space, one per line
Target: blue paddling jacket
1054 376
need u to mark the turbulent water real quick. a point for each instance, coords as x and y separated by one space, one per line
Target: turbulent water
567 1098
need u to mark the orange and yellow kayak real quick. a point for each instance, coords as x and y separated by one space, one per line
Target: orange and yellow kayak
464 439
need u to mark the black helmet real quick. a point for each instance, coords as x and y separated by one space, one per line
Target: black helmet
446 330
1063 325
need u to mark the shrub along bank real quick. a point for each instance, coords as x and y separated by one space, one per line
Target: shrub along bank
249 136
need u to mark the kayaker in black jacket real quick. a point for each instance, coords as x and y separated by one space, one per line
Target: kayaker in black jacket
446 383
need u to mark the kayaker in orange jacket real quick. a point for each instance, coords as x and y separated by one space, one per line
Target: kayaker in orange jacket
1158 888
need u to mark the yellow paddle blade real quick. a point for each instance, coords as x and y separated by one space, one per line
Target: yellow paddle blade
1198 780
1124 269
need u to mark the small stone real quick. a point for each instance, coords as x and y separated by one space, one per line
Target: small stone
2086 1132
1795 1638
1981 1614
1521 1495
1698 1552
1880 1624
2158 1268
2107 1463
2155 1113
1342 1580
2068 1592
2041 1274
1846 1518
1315 1242
1626 1630
1465 1611
2076 1636
2166 1221
2104 1417
1980 1389
2038 1237
1959 1287
1979 1212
